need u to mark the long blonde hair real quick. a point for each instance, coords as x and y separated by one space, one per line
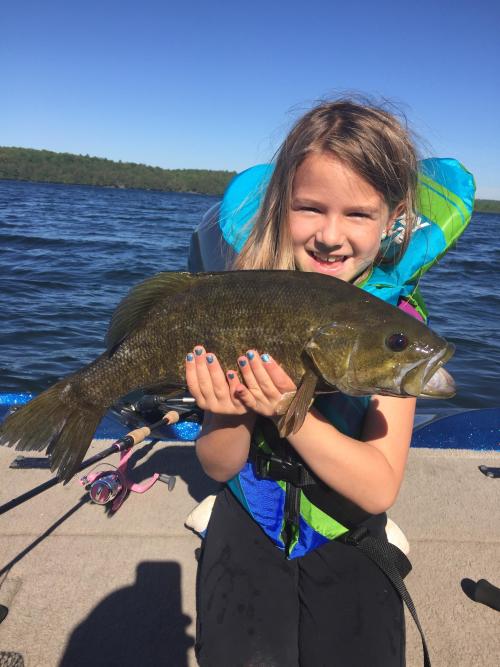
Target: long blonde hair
368 139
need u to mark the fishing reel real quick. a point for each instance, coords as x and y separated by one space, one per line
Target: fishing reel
149 415
111 486
103 487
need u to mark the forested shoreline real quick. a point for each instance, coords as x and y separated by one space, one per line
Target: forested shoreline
487 206
28 164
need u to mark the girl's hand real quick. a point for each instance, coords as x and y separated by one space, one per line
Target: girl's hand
265 383
262 389
211 389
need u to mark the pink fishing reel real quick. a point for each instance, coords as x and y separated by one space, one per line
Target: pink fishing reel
113 486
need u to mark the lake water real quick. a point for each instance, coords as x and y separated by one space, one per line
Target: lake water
70 253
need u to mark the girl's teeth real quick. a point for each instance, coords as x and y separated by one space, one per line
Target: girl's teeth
330 260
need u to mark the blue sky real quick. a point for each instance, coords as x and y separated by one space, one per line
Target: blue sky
217 85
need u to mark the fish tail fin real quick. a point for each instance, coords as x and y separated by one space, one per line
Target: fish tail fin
50 421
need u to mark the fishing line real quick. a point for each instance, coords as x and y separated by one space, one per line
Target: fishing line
85 499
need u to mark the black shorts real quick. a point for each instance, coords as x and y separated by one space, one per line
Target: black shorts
332 607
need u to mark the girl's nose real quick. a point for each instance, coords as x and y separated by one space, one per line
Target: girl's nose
331 233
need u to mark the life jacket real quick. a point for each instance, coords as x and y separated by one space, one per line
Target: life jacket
293 507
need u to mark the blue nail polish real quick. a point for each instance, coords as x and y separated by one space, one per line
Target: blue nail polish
242 362
265 358
230 376
189 357
210 358
198 351
250 354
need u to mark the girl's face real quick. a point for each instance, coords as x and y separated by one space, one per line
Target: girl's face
336 218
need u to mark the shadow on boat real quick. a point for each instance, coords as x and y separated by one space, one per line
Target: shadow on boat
177 460
142 624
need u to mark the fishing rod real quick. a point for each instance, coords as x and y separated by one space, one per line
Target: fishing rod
102 487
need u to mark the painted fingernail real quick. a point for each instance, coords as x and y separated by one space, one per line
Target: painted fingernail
265 358
250 354
242 362
189 357
198 351
210 358
230 376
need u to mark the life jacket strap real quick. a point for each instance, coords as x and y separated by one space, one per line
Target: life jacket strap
393 563
292 516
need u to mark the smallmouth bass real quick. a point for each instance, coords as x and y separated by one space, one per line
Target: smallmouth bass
327 334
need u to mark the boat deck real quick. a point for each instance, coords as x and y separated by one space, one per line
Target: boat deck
85 588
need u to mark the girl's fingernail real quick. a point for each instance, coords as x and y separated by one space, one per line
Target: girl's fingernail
198 351
250 354
242 362
189 357
230 376
210 358
265 358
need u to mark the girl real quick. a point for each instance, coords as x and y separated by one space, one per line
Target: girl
342 178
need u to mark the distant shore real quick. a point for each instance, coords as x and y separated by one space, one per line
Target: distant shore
29 164
487 206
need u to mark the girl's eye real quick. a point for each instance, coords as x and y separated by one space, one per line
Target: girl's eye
310 209
397 342
358 214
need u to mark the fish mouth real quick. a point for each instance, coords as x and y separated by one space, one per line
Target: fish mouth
432 380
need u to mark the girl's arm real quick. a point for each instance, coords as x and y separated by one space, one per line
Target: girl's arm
368 471
223 446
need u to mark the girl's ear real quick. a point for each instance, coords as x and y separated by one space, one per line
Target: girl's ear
398 212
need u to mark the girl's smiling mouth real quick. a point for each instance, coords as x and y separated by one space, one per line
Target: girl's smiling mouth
332 262
336 219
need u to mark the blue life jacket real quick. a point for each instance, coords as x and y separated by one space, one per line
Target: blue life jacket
444 207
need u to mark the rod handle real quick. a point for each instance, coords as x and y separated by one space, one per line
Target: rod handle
171 417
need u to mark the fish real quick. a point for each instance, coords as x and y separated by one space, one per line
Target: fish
327 334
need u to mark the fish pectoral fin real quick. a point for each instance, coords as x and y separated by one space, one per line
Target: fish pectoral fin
299 405
136 306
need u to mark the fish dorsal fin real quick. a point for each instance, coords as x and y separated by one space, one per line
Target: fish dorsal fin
134 308
294 417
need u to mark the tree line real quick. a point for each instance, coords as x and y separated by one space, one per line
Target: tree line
487 206
27 164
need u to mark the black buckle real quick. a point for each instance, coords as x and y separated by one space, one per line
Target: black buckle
271 467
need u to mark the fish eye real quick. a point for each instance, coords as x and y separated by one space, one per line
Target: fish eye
397 342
